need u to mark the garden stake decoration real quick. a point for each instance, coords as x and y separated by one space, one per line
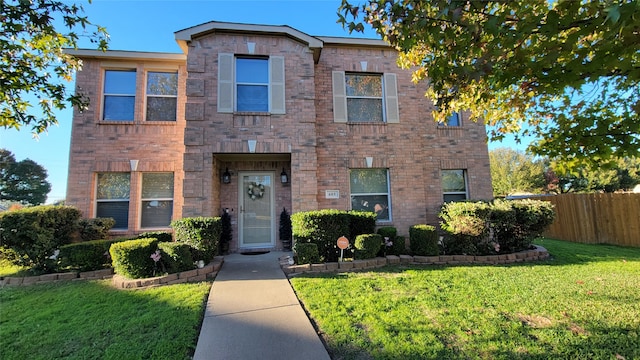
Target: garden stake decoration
343 243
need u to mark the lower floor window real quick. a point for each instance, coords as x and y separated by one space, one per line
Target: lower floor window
157 200
454 185
112 198
370 192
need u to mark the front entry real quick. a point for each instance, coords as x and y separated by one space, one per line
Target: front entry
257 213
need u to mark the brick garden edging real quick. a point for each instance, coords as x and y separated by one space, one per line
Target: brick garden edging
539 253
207 272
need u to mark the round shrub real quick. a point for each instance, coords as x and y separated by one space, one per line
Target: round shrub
176 257
161 236
132 258
36 232
201 233
307 253
367 246
423 240
323 228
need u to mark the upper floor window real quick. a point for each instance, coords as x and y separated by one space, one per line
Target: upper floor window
119 95
112 197
370 192
364 97
452 120
454 185
252 84
156 200
162 96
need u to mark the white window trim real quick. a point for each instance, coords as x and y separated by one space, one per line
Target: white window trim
390 105
382 97
443 124
236 83
99 200
105 94
147 96
227 86
466 185
387 194
142 200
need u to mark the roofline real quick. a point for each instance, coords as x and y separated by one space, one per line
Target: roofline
188 34
331 40
126 55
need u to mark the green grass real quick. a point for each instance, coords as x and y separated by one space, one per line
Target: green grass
92 320
583 303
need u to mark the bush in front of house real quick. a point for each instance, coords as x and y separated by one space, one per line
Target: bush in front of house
501 226
36 232
307 253
201 233
161 236
516 223
466 227
86 256
132 258
423 240
95 228
324 227
367 246
361 222
176 257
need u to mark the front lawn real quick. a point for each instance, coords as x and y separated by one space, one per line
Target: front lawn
92 320
583 303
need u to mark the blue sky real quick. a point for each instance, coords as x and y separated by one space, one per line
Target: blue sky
149 25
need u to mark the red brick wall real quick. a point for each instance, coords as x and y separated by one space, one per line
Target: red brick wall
99 146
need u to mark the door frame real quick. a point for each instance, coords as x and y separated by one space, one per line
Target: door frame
241 197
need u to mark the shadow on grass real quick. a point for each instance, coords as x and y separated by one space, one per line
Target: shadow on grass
92 320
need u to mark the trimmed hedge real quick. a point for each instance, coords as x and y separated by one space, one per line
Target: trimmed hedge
367 246
36 232
361 222
324 227
95 228
86 256
132 258
423 240
161 236
201 233
501 226
176 257
307 253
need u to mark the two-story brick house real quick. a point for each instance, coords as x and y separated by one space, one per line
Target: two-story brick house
252 119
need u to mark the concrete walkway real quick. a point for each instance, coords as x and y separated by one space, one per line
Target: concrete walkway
253 313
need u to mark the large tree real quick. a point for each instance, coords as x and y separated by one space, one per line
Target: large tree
623 175
34 67
567 72
22 181
514 171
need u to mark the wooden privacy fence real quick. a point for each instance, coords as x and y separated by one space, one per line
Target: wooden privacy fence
596 218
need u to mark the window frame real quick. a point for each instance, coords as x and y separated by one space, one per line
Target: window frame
147 95
387 194
466 186
143 200
112 200
448 124
106 94
382 97
236 83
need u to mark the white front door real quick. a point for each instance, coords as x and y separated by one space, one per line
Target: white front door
257 220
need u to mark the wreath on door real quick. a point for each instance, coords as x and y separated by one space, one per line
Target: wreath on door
255 190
